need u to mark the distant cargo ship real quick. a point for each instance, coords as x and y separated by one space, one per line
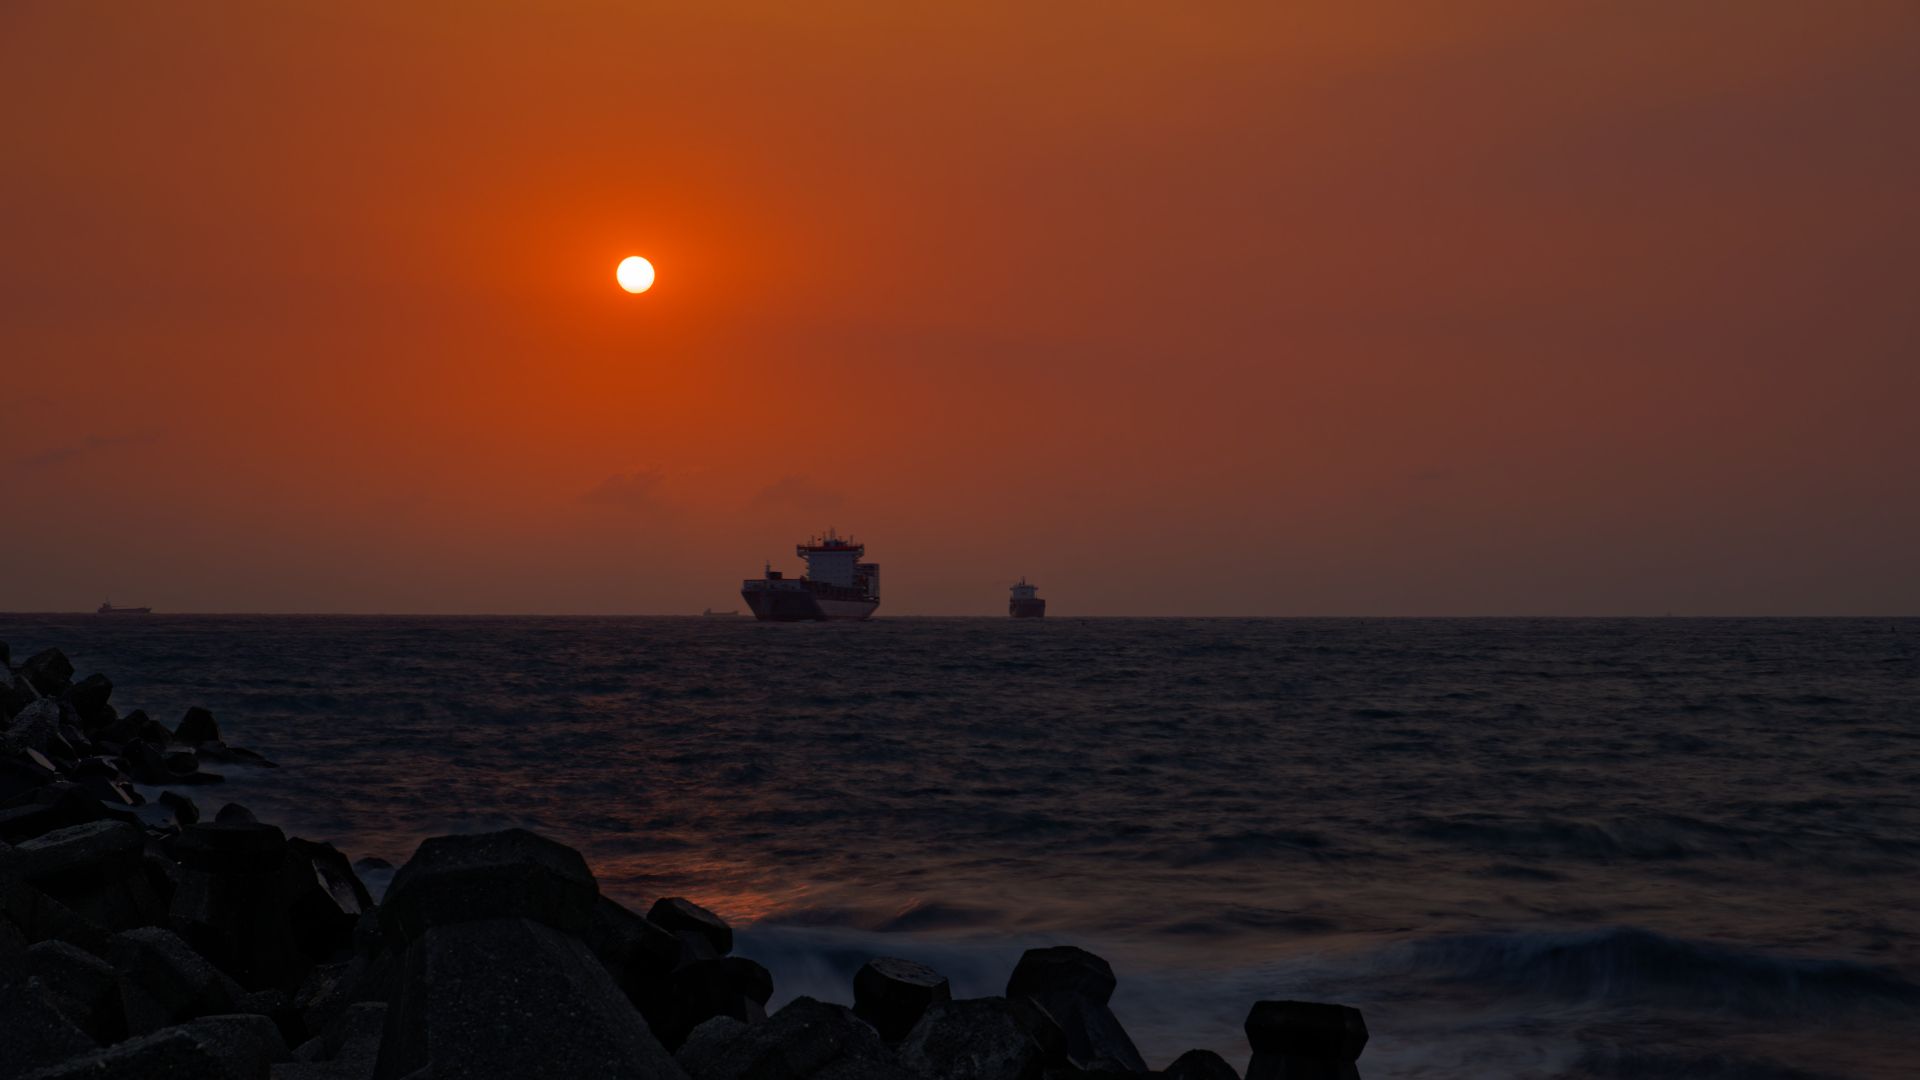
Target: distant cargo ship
1024 604
712 614
108 609
837 585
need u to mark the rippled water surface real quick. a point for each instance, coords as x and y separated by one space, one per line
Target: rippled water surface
1600 848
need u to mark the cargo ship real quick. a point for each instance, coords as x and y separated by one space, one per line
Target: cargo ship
1024 604
108 609
837 585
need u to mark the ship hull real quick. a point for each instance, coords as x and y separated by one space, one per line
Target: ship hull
1027 609
802 605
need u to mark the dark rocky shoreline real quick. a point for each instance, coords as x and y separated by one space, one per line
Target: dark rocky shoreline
139 940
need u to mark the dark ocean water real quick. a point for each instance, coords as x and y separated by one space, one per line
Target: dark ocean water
1583 848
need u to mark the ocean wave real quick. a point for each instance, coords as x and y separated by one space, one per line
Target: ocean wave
1629 965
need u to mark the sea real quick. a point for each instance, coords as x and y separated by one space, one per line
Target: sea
1665 847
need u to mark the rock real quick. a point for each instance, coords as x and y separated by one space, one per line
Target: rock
49 671
236 884
1200 1065
509 874
1062 969
172 1054
700 1054
184 810
84 986
85 855
233 813
892 994
1304 1040
639 956
18 778
181 762
196 727
978 1039
136 725
1074 986
461 978
167 982
238 755
146 763
39 917
804 1039
36 1032
89 699
246 1043
34 727
326 900
676 914
54 806
720 986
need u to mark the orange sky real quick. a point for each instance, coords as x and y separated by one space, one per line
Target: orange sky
1176 309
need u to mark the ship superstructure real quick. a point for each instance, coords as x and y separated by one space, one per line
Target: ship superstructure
108 609
837 585
1025 602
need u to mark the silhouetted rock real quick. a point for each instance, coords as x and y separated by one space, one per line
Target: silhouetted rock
135 725
461 978
892 994
35 1032
196 727
89 699
1304 1040
85 987
233 813
721 986
700 1054
184 810
18 778
1200 1065
1074 986
172 1054
509 874
676 914
49 671
235 885
166 981
980 1039
53 806
325 901
806 1038
34 727
247 1044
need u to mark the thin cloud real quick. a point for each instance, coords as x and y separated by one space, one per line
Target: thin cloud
628 491
797 493
92 444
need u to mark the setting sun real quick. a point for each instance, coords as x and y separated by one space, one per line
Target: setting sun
635 274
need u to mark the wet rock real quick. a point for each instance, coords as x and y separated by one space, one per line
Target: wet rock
1200 1065
892 994
1304 1040
49 671
146 763
35 1032
84 986
677 914
462 977
184 810
167 981
1074 986
172 1054
89 699
181 762
807 1038
509 874
980 1039
196 727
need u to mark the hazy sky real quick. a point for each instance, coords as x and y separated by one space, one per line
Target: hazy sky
1419 308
